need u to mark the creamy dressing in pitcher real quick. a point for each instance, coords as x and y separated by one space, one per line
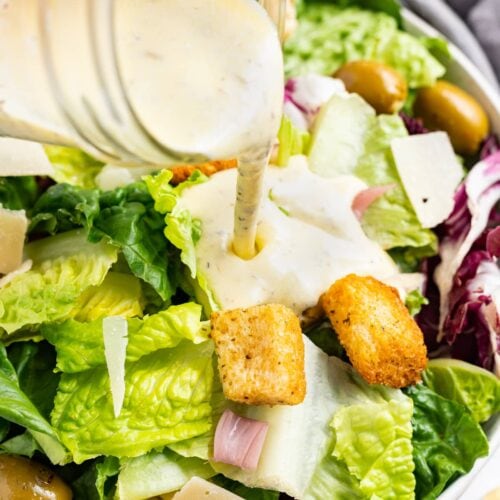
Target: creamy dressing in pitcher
201 78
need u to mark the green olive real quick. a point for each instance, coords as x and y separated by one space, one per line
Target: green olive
378 84
21 479
447 107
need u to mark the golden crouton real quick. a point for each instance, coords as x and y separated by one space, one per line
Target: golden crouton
183 172
382 340
260 354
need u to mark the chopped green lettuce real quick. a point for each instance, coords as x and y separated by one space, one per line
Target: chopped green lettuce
18 193
475 388
414 302
183 232
391 220
292 141
118 295
64 267
15 406
332 480
80 346
167 399
158 473
73 166
329 36
374 441
125 217
446 441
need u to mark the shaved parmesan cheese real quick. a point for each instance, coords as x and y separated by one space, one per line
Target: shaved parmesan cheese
430 174
199 489
115 333
13 226
19 157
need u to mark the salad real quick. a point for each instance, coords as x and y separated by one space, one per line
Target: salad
356 356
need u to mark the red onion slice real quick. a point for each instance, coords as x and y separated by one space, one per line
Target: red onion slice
366 197
239 440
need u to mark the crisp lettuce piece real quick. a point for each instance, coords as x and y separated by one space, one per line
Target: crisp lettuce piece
167 399
183 232
391 220
18 193
64 207
64 266
119 294
15 406
475 388
73 166
98 480
333 480
128 219
446 441
374 441
328 37
292 141
80 346
158 473
125 217
414 302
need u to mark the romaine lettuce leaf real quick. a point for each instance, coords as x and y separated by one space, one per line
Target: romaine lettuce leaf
80 346
333 480
64 207
328 37
73 166
18 193
119 294
128 220
98 480
391 220
183 232
473 387
292 141
125 217
64 266
167 399
158 473
34 364
374 441
15 406
446 441
414 302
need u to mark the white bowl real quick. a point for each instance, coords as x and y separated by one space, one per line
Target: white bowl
485 475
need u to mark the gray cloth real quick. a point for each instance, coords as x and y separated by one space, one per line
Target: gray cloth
472 25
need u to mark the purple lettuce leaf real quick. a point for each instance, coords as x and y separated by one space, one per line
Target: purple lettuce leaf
466 282
490 146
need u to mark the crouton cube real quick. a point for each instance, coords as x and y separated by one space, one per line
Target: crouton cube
260 354
382 340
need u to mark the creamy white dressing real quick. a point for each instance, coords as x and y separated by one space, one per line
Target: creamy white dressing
204 79
307 235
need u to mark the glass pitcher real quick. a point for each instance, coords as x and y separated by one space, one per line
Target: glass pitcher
95 74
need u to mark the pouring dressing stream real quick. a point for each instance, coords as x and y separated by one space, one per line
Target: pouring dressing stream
150 82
